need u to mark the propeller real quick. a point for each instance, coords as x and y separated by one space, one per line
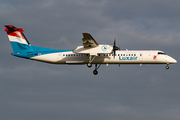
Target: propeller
115 48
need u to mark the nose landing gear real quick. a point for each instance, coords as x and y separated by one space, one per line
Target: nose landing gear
167 66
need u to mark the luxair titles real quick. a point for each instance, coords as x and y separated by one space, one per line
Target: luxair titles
128 58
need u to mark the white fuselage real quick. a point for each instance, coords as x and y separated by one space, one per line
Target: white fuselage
89 53
122 57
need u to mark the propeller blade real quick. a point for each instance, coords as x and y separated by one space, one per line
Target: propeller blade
114 53
115 48
114 41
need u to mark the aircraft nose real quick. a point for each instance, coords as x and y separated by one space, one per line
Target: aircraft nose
173 60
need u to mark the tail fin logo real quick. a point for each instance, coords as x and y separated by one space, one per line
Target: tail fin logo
17 39
16 34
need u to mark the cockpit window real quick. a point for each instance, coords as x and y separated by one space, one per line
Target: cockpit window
161 53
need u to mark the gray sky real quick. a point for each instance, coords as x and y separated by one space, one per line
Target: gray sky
40 91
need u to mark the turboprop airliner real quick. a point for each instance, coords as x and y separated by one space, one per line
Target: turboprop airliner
89 53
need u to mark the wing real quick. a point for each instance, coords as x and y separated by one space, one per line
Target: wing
88 41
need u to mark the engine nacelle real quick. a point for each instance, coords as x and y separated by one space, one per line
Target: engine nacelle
100 49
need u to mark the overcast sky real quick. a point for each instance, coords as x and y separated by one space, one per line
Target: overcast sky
31 90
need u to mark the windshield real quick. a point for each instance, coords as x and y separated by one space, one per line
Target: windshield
161 53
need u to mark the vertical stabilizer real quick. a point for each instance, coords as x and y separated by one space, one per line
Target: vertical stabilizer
17 39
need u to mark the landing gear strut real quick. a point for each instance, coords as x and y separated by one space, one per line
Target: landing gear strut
91 58
167 67
95 72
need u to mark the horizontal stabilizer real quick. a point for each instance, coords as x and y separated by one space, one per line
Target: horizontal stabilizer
11 28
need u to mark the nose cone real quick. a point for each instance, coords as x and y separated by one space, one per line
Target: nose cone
172 60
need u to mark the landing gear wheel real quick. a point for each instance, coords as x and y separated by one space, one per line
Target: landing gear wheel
167 67
95 72
89 65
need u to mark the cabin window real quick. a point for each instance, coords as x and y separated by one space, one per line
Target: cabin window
134 54
140 54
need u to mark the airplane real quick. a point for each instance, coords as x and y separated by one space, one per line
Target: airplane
89 53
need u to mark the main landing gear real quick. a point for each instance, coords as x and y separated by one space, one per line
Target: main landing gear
91 58
167 66
89 65
95 72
